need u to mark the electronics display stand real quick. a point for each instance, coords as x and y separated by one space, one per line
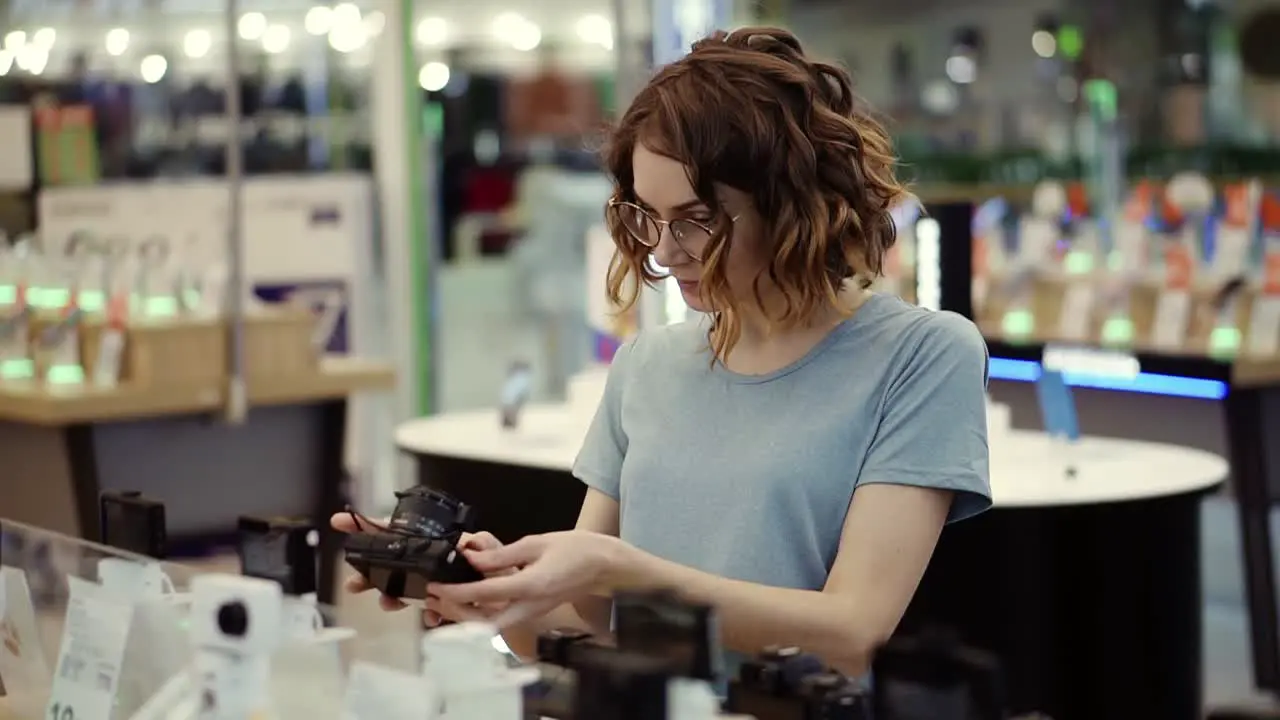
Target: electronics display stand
1252 417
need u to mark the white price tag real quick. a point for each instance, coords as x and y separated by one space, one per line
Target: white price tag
1035 246
1076 319
93 647
106 369
1231 251
1173 316
375 692
1131 240
1264 326
22 662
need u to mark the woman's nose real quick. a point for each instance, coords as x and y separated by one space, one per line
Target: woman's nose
667 252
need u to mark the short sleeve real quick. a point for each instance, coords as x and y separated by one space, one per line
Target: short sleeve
599 462
933 424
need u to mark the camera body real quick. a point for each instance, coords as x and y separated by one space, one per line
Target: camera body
935 675
787 684
133 523
282 550
417 546
236 616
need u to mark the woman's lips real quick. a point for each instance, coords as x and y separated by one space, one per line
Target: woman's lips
689 286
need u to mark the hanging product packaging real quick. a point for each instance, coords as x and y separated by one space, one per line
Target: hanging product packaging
988 248
1236 230
15 316
1264 317
157 278
118 283
1188 199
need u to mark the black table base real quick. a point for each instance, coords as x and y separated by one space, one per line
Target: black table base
1095 611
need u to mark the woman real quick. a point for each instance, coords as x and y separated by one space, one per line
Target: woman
793 459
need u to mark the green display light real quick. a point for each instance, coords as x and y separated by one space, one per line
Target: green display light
1018 323
1117 331
1070 41
1103 97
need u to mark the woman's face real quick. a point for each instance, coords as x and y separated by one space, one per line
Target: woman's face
663 191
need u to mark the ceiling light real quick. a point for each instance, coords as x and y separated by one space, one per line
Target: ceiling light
276 39
595 30
528 38
1044 43
44 37
153 68
117 41
252 25
15 40
431 31
433 76
196 44
6 62
374 23
508 25
319 20
32 58
345 14
347 38
961 69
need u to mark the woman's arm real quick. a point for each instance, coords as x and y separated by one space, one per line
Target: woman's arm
599 514
888 538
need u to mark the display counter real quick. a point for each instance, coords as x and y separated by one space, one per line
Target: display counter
159 429
1088 586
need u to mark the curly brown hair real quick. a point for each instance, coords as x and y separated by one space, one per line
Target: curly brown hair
751 111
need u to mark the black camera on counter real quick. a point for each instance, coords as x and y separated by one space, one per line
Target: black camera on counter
934 675
133 523
787 684
282 550
659 637
417 546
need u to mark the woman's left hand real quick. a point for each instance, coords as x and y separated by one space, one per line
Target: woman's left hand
541 572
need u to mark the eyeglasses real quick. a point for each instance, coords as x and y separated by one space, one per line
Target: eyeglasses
690 235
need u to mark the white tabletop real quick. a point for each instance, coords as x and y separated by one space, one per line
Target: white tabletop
1027 469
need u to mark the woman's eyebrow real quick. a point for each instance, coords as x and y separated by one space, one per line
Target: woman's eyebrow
685 206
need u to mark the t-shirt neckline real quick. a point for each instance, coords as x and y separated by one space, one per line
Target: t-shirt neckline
840 330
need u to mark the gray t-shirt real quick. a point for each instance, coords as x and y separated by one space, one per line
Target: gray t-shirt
750 477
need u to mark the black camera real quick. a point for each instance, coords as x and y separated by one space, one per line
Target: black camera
620 685
417 546
130 522
657 623
933 675
282 550
787 684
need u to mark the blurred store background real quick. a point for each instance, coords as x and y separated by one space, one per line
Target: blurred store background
429 173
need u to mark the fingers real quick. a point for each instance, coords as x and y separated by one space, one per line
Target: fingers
343 522
347 522
480 541
505 557
491 590
357 584
438 610
390 604
519 613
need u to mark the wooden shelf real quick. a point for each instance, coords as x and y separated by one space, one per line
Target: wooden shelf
37 404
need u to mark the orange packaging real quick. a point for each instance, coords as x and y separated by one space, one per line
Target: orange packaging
1271 247
1178 267
1077 200
1138 207
1238 213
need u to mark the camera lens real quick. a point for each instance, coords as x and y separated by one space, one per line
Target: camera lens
233 619
430 513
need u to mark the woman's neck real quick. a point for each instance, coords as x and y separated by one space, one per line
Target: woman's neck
761 349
